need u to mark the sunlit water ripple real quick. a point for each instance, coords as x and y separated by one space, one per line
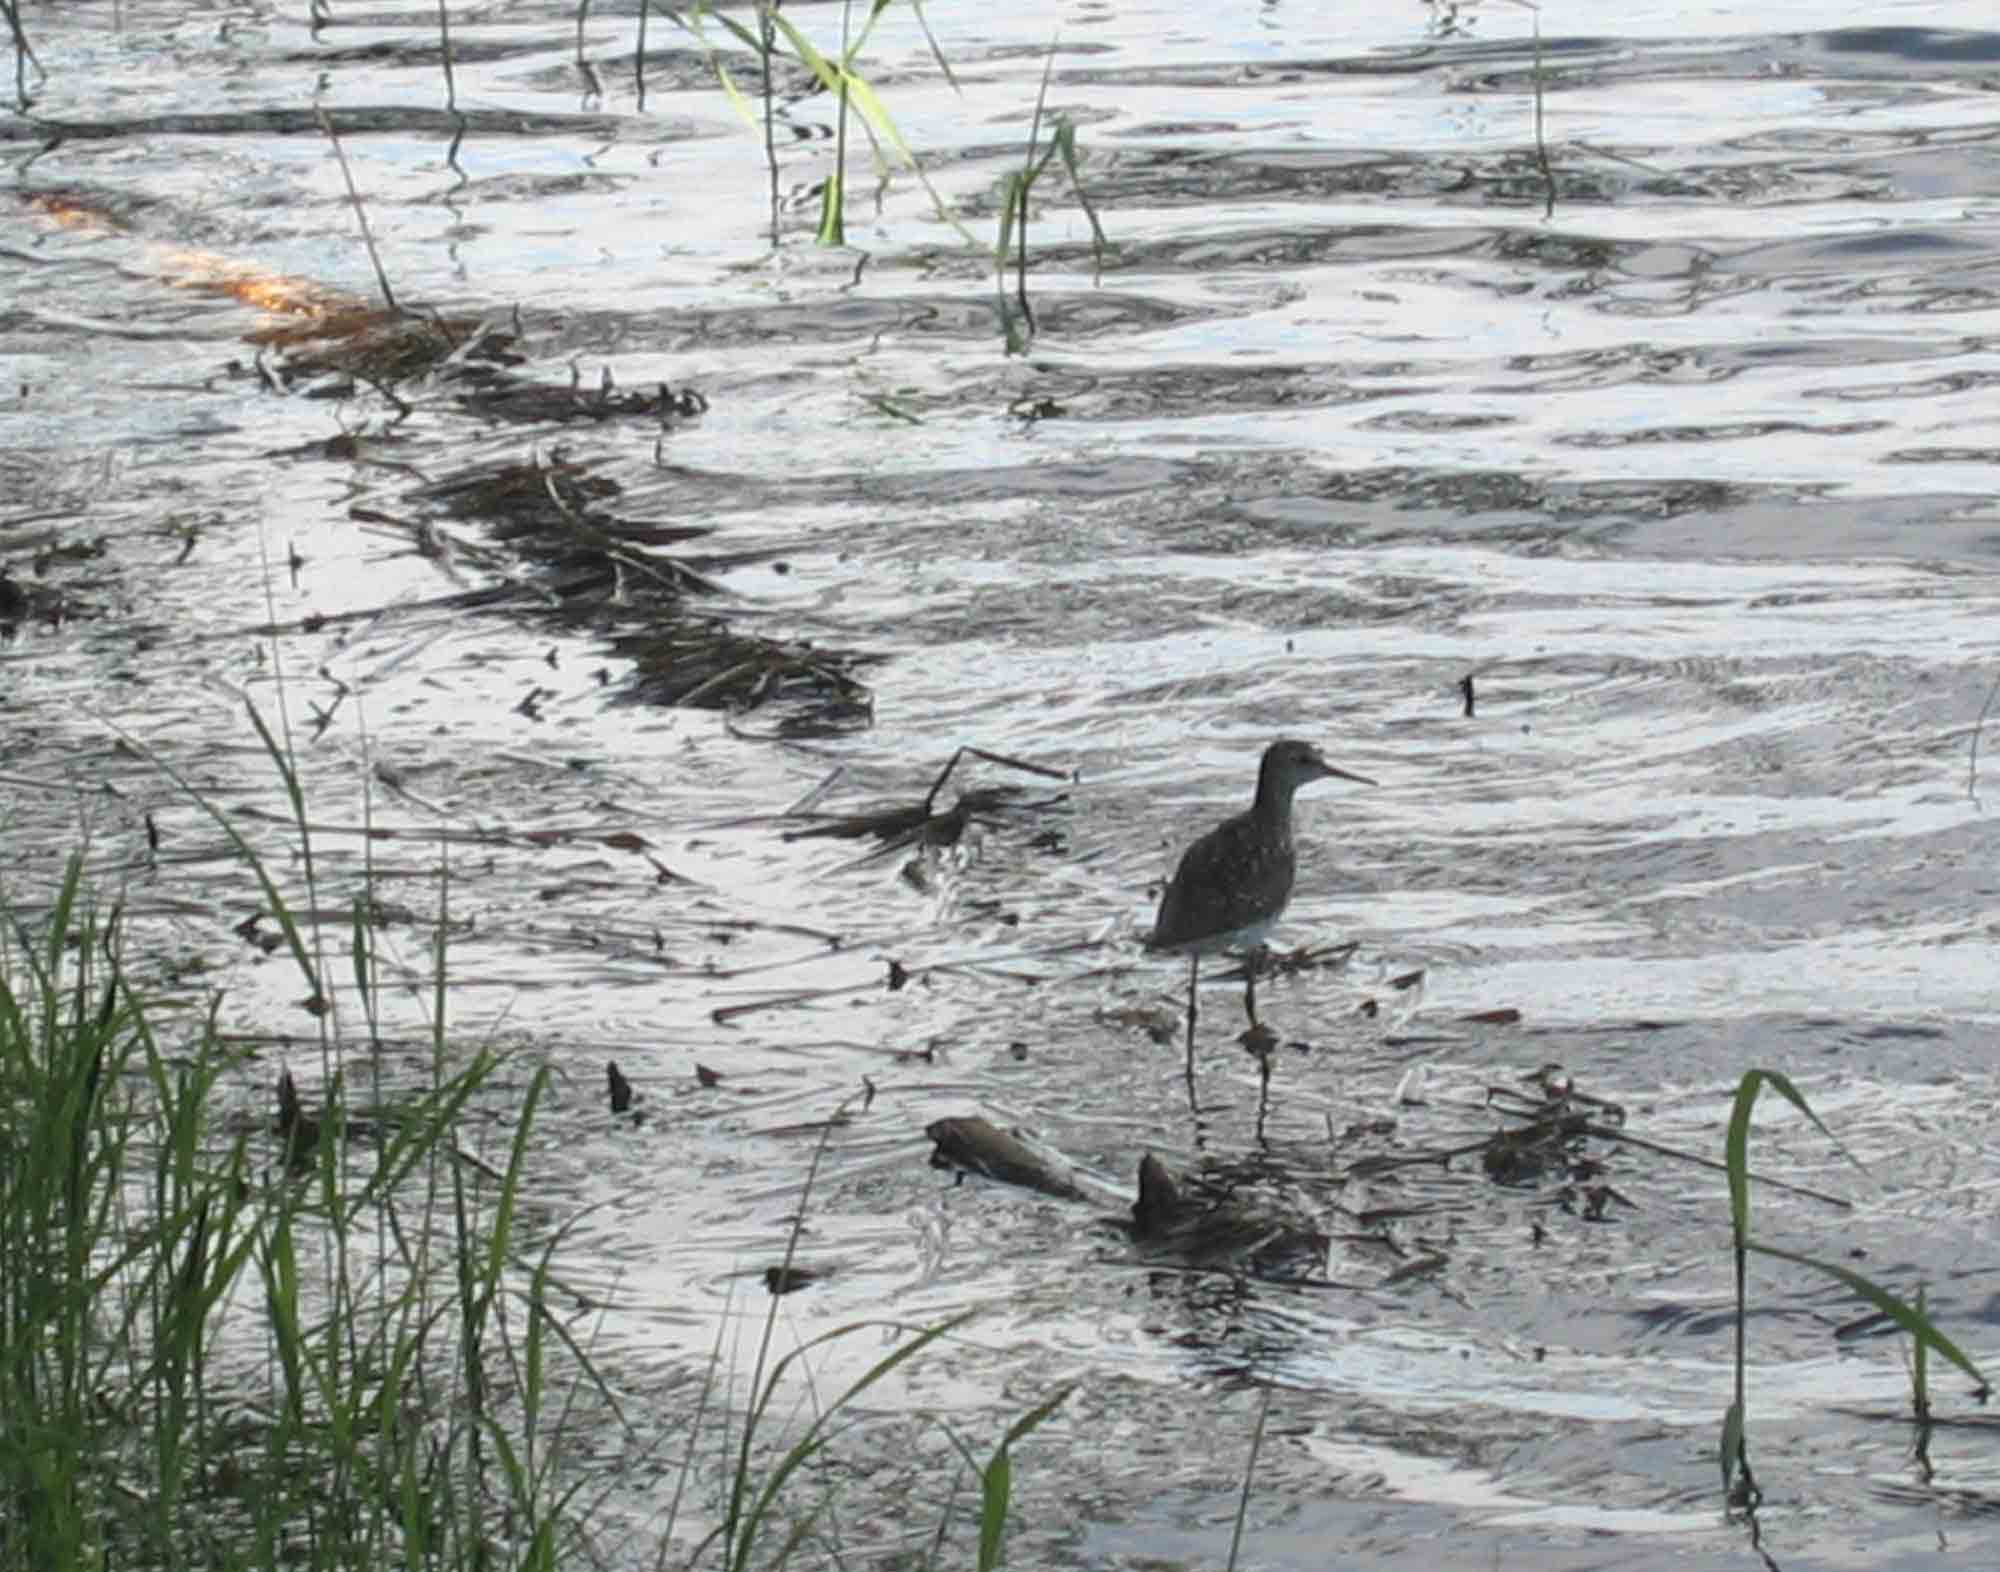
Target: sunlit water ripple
1695 477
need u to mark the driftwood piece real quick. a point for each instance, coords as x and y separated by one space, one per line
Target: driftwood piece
1167 1223
975 1145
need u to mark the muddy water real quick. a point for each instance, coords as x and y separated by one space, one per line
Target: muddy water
1695 477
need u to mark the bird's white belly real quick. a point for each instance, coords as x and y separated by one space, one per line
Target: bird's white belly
1248 937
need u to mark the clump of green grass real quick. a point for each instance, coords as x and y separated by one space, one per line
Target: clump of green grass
224 1350
338 1344
838 71
770 35
1017 316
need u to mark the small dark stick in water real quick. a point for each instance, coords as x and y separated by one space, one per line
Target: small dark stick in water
620 1088
1465 692
1234 883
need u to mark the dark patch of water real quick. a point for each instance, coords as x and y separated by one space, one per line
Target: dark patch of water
347 121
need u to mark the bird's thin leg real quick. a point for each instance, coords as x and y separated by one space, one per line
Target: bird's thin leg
1251 964
1194 969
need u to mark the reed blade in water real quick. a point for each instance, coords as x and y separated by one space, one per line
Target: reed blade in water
1738 1481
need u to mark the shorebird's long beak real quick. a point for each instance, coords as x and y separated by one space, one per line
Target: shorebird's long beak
1346 775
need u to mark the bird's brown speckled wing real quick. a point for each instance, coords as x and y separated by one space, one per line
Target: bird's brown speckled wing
1228 879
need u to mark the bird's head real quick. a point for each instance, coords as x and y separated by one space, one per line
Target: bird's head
1290 764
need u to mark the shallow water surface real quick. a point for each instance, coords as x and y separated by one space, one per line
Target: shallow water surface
1694 476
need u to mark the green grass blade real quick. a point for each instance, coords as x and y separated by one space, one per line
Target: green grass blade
1065 144
739 100
814 1437
832 212
281 1297
1249 1475
61 914
1908 1317
996 1481
1736 1146
871 108
937 54
851 47
828 73
358 936
996 1489
1920 1370
294 940
1736 1153
502 1227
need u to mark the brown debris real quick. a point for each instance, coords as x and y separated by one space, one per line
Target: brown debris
1290 963
1216 1231
299 1129
790 1279
976 1145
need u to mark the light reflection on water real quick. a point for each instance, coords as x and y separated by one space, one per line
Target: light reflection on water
1696 476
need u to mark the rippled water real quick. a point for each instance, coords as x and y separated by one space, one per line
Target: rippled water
1695 476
